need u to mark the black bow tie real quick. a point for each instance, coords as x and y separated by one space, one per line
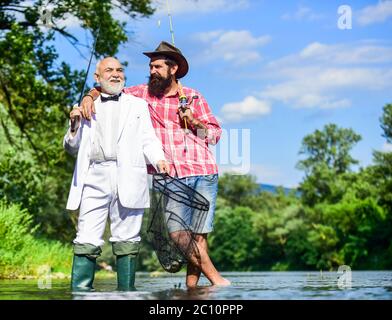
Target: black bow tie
110 98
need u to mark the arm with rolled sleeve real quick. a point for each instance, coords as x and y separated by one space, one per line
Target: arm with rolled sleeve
152 147
203 114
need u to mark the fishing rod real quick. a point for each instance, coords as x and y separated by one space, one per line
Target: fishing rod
183 100
76 121
182 97
170 21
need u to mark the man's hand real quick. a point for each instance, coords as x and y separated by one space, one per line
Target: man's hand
187 113
75 115
87 104
163 166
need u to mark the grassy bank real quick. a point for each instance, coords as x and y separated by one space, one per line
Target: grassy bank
23 253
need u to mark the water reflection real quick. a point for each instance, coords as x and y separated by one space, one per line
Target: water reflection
245 286
198 293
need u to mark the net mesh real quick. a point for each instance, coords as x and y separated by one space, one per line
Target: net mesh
177 213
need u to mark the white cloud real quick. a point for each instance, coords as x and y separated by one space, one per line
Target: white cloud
341 54
376 13
198 6
206 37
387 147
302 14
315 77
236 46
249 108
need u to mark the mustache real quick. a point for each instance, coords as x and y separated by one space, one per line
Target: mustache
156 77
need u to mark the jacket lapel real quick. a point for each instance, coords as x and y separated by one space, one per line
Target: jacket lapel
124 112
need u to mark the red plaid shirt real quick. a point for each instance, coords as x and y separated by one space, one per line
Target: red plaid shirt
187 153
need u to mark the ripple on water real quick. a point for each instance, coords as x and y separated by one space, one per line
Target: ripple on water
245 286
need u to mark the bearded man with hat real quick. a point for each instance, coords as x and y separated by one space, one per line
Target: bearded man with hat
187 151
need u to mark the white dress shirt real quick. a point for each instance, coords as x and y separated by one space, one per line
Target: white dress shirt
105 139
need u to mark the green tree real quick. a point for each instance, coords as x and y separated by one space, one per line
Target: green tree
235 244
237 189
327 164
331 146
276 228
383 160
381 178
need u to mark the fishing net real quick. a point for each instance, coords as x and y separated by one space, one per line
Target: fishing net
177 213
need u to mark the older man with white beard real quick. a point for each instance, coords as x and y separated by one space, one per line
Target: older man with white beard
110 176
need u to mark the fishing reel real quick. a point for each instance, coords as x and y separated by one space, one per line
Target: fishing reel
184 105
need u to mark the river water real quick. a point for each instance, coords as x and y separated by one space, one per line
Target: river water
358 285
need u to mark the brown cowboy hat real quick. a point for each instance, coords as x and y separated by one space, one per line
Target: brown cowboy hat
170 51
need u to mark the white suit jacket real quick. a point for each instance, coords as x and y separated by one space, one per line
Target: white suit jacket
136 140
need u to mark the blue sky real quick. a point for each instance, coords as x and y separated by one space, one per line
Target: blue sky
274 70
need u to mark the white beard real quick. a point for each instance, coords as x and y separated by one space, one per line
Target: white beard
112 88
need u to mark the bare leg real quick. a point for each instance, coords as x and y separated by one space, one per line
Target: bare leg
193 271
205 265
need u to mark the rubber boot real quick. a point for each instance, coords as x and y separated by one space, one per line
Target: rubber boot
126 270
83 266
83 271
126 253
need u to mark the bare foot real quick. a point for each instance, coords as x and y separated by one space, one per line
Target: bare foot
222 283
191 285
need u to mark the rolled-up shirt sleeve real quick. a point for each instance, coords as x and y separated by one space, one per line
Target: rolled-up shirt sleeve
202 112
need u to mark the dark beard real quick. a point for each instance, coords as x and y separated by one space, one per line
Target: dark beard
157 85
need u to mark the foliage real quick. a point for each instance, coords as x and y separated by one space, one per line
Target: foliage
386 122
237 188
234 242
21 252
327 165
382 169
340 218
330 146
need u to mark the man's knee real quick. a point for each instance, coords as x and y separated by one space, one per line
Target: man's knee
122 248
87 249
201 237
